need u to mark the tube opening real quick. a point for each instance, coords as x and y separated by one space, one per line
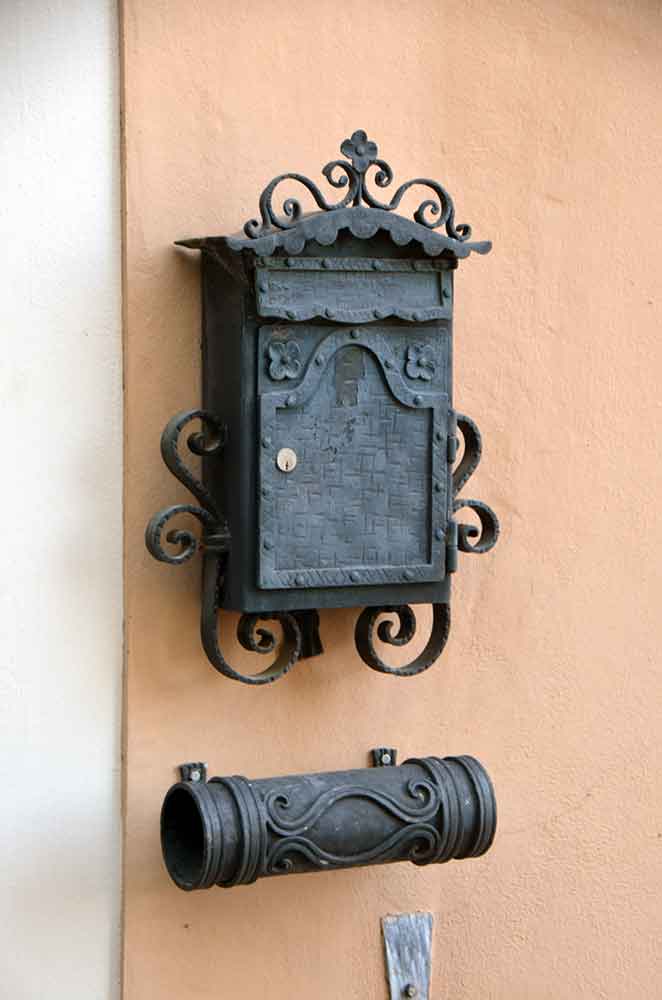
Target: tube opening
182 838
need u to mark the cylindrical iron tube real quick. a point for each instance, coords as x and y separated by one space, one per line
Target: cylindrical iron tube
232 831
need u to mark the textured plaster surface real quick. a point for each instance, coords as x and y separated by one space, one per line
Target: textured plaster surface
61 584
543 121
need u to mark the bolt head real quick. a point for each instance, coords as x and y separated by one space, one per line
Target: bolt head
386 758
355 333
195 775
410 990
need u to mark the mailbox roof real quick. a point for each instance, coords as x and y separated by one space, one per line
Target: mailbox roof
323 228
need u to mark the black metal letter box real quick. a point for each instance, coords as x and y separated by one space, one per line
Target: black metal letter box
329 437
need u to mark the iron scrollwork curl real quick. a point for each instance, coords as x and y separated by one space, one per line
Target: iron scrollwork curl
215 543
253 638
469 537
367 623
432 213
208 441
419 840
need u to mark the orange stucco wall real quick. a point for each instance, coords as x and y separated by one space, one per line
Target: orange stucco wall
542 118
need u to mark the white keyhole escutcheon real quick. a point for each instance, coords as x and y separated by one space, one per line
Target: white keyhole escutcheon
286 459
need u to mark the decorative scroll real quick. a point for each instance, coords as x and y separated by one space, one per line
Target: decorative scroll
364 636
252 637
216 545
433 212
424 805
469 537
209 441
420 840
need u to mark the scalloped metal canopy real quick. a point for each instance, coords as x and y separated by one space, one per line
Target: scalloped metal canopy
358 212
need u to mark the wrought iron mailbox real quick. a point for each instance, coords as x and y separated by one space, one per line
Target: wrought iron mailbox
329 440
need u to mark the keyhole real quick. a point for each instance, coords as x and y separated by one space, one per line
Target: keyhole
286 459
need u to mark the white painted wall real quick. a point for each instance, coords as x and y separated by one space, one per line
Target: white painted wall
61 579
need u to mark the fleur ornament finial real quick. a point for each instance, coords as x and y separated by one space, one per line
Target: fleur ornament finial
360 150
362 153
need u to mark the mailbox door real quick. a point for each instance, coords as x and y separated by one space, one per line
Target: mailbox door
353 471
